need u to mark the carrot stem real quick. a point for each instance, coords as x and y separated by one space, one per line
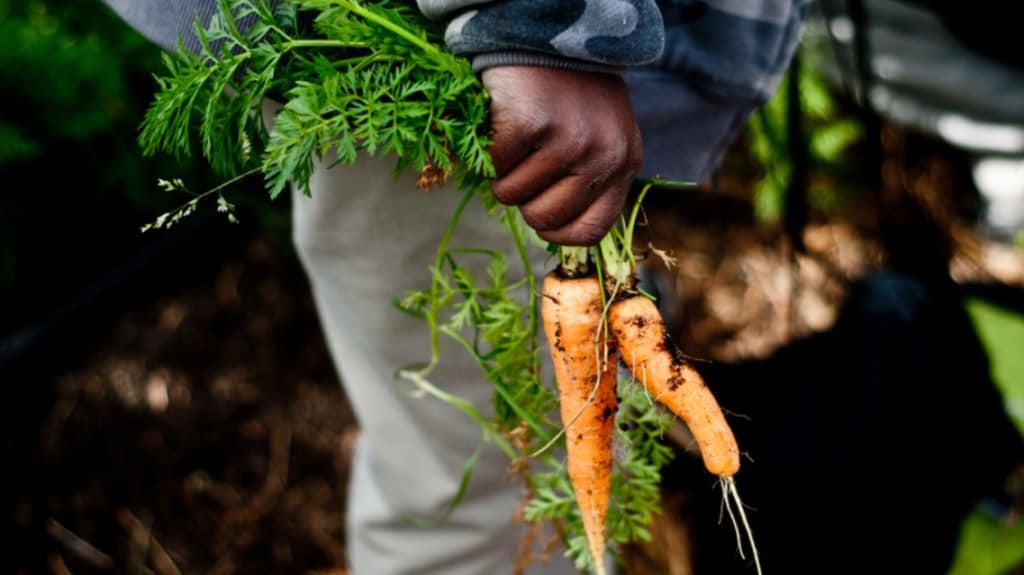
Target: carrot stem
533 423
435 288
575 261
517 238
417 378
399 31
616 266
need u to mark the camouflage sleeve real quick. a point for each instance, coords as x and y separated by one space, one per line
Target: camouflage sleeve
735 49
723 59
581 34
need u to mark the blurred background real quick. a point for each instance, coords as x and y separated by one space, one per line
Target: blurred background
853 276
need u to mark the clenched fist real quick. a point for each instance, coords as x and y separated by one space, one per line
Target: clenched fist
566 148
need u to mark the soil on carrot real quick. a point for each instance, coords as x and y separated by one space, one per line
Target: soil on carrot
202 430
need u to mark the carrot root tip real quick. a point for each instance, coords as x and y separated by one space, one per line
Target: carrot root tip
730 498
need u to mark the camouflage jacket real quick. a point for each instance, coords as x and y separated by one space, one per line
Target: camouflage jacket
735 48
696 68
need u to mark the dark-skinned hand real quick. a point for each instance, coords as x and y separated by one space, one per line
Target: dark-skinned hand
566 148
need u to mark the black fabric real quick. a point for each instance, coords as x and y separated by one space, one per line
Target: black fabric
870 443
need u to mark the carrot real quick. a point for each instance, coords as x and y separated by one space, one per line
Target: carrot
577 321
586 375
656 362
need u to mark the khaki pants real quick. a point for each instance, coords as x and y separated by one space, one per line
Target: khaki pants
364 238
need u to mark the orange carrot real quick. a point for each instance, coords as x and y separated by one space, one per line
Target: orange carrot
656 362
571 310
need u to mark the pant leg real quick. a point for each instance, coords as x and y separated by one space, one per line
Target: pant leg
364 238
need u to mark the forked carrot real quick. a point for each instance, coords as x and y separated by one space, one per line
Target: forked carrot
656 362
586 375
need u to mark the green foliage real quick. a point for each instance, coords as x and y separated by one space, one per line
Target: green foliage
992 543
75 81
61 83
1001 331
829 135
636 491
16 145
367 77
496 321
989 545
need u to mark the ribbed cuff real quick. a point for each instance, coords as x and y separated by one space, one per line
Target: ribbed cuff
522 58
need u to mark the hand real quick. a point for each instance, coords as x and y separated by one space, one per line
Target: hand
566 148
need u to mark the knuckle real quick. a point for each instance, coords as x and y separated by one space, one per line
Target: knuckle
521 130
611 152
572 152
566 146
619 148
533 126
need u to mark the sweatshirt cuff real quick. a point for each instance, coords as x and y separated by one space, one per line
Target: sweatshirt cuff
487 60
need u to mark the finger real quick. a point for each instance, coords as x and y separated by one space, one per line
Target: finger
593 223
518 134
581 153
562 202
534 175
